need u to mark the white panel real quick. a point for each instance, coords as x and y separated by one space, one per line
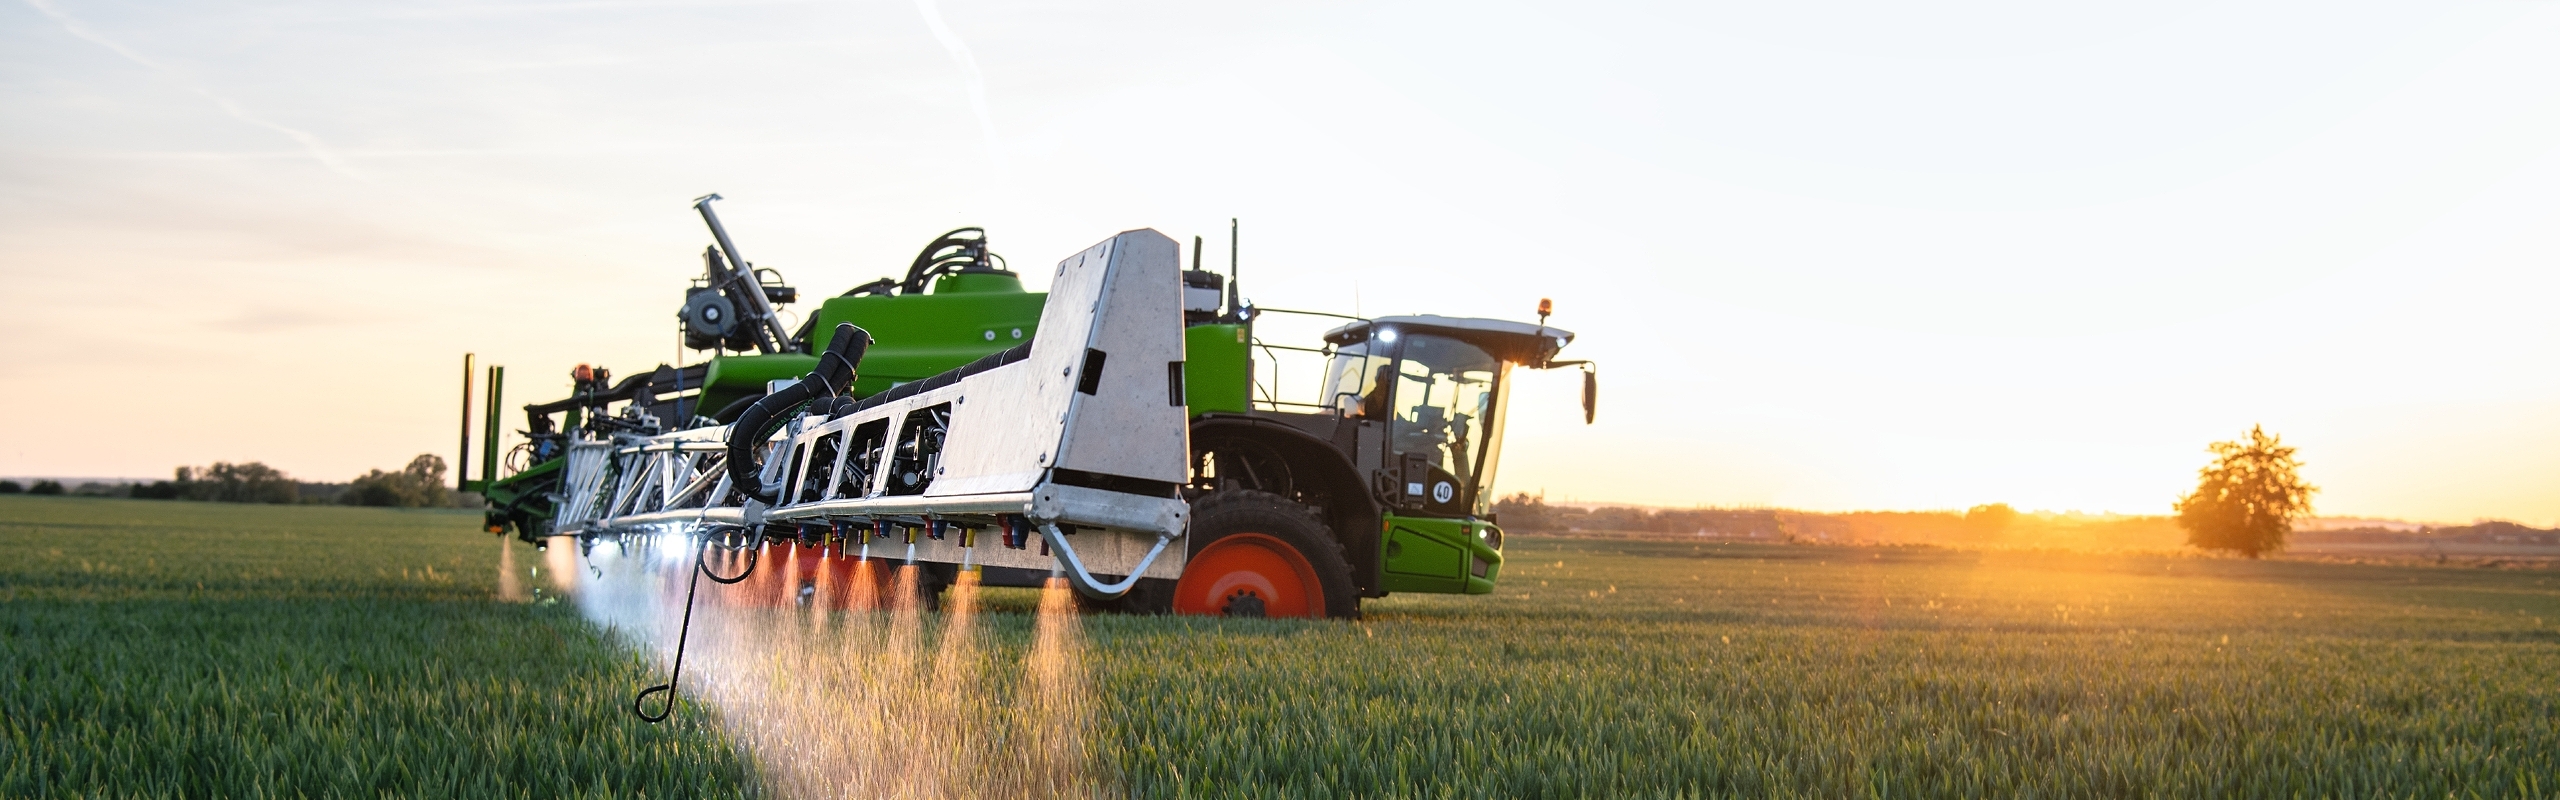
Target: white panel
1006 433
1129 426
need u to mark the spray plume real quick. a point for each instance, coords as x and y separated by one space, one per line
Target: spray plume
842 684
510 587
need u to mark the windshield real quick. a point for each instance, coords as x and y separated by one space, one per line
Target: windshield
1442 402
1446 410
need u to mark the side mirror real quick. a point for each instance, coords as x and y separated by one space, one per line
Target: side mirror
1590 394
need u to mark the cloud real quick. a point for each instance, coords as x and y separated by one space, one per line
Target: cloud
310 144
959 51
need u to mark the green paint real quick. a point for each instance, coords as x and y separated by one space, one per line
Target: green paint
919 336
978 283
1217 369
913 336
1425 554
733 377
529 490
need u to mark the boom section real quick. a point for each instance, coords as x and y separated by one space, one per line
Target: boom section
1079 439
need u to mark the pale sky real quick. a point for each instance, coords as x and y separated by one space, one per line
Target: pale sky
1828 255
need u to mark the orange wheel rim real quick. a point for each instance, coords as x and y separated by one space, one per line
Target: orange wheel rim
1247 571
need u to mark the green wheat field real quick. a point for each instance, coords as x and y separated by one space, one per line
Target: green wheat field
212 650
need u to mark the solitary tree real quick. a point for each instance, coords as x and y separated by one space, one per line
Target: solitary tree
2248 497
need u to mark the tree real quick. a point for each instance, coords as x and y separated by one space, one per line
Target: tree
2248 498
11 487
250 482
1523 511
421 484
160 490
46 487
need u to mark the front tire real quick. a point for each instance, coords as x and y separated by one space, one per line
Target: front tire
1255 554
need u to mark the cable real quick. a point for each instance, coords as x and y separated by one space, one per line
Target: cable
693 584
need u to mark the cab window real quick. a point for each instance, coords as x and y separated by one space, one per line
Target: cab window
1444 405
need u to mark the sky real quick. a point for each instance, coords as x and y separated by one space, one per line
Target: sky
1827 255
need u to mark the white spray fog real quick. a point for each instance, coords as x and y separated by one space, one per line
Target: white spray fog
830 670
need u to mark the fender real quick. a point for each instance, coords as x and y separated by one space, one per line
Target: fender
1324 478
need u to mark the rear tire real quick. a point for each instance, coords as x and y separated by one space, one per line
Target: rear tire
1254 554
1150 596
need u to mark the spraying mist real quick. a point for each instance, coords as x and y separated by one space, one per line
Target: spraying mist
841 683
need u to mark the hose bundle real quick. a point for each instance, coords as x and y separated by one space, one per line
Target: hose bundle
833 378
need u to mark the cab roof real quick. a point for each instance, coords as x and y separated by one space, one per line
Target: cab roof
1523 342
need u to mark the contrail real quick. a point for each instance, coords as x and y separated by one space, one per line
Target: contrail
969 69
310 143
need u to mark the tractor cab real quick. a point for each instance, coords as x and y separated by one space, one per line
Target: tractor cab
1433 388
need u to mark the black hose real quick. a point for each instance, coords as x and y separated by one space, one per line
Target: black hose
833 377
957 249
755 550
729 413
693 582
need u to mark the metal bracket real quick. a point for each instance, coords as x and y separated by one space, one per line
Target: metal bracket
1083 579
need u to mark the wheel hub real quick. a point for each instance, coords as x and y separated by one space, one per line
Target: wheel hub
1244 603
1249 575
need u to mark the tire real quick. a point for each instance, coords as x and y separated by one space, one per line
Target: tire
1150 596
931 580
1254 554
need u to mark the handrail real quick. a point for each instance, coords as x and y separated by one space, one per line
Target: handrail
1295 403
1269 346
1259 309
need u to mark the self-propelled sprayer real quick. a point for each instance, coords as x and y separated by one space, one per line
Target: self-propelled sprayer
1111 429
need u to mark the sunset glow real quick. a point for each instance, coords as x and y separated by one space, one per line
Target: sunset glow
1825 259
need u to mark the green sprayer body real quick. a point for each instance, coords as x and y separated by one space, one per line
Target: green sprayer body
1388 474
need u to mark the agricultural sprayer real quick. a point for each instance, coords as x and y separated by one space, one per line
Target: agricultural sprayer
1111 430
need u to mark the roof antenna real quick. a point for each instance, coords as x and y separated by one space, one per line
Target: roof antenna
1233 304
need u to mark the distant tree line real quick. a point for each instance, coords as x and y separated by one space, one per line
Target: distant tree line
1526 512
421 484
1988 524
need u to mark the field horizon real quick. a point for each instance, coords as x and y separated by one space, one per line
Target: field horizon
338 650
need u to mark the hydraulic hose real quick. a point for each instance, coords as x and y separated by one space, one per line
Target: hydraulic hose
833 378
701 565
